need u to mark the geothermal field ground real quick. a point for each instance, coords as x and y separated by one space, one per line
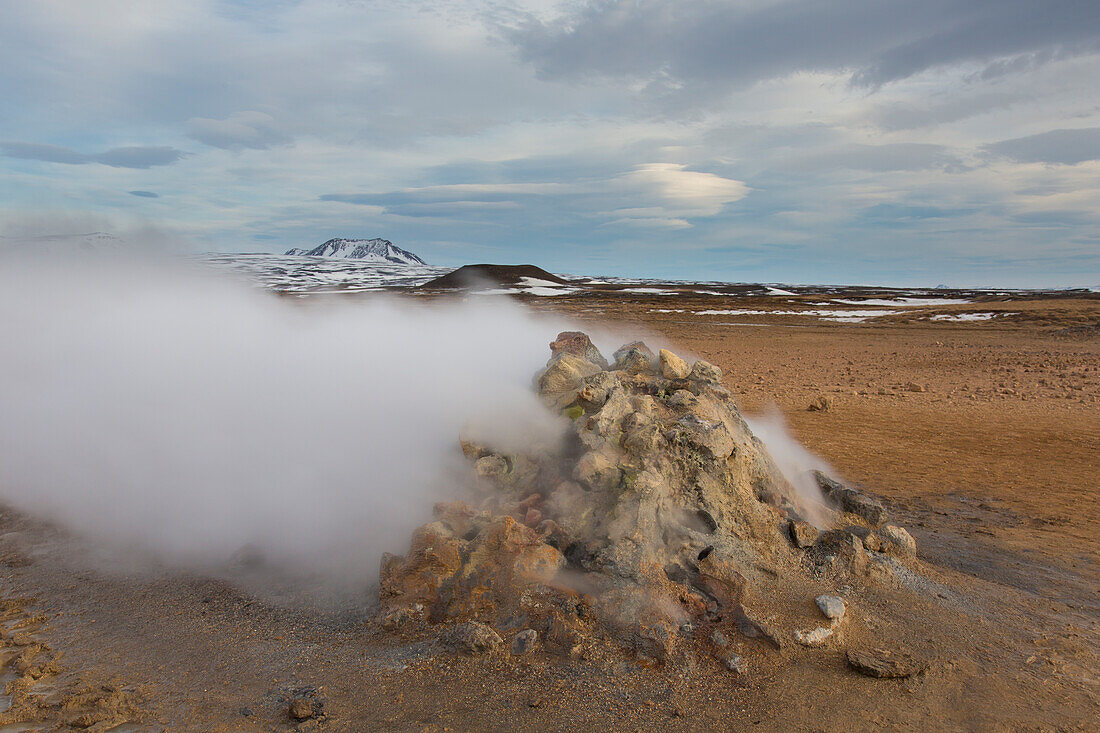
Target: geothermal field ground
647 564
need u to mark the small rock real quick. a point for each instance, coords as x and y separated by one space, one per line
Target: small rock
816 637
883 664
734 663
634 357
565 375
897 541
803 534
914 387
472 637
577 344
676 572
851 500
832 606
820 404
719 639
300 708
704 371
672 366
525 641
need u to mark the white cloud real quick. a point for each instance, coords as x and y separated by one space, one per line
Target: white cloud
247 129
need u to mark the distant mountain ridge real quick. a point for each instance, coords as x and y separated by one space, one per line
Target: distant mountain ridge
377 250
62 244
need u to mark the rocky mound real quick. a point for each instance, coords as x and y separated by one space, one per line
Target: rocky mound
662 527
476 276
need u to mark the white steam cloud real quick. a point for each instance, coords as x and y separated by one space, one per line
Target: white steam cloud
794 461
191 415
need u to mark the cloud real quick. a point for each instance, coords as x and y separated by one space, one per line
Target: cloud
879 158
144 194
667 194
47 153
250 129
128 157
1067 147
689 193
138 157
675 42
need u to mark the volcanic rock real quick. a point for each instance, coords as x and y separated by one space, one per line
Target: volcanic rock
704 371
476 276
525 641
851 500
472 638
577 344
883 663
658 513
803 534
300 708
634 357
672 366
832 607
897 541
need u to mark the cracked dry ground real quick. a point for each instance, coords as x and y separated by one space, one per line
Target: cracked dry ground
993 467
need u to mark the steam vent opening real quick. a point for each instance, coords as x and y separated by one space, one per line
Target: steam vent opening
670 528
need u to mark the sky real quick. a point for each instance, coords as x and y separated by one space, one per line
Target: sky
898 142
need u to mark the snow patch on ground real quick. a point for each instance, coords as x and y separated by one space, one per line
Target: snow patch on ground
905 302
965 317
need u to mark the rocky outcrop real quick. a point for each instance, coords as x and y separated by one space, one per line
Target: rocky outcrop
660 514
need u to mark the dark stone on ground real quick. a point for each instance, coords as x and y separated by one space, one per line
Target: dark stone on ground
883 664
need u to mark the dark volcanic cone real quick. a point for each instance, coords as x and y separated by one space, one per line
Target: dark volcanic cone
477 276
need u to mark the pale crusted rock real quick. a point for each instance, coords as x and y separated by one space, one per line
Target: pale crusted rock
597 471
634 358
644 440
833 607
816 637
596 389
607 421
898 542
704 371
565 375
672 366
711 438
681 399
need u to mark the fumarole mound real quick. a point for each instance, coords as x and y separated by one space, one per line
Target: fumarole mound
661 529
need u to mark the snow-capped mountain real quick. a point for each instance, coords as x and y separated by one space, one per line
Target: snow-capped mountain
370 250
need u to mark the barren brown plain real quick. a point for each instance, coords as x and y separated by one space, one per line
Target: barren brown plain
983 438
